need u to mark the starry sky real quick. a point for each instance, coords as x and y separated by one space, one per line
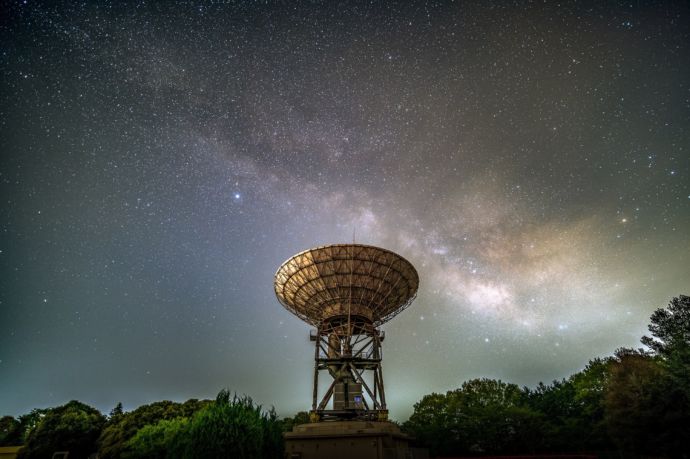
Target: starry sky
160 160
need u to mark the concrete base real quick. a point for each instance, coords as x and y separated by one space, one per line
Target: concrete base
346 440
9 452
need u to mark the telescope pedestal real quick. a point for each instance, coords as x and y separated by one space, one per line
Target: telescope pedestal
349 351
346 440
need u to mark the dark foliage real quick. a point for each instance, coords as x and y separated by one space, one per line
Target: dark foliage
300 418
156 441
73 427
670 340
231 428
10 431
670 328
224 428
121 427
634 403
483 416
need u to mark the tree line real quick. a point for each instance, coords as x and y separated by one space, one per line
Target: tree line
224 427
634 403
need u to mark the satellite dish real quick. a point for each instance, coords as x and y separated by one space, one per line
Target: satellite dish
346 291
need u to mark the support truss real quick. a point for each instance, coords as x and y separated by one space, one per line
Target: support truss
349 350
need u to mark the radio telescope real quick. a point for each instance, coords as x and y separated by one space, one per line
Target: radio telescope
347 291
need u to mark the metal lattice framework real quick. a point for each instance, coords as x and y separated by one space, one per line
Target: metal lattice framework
347 291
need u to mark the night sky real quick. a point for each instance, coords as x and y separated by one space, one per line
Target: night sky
159 162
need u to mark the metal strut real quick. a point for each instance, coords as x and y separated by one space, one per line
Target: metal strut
349 349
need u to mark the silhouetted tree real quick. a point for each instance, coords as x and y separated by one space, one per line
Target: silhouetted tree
116 413
156 441
670 342
10 431
300 418
636 403
590 391
30 421
670 329
482 416
121 428
231 428
73 427
431 427
563 423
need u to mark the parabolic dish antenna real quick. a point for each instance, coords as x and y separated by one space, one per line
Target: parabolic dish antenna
346 291
346 279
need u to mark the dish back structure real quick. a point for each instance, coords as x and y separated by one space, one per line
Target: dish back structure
347 291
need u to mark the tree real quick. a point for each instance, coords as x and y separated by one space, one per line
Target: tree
590 387
156 441
116 412
563 424
231 428
300 418
30 421
10 431
670 327
73 427
670 340
670 343
430 426
497 416
482 416
643 409
121 428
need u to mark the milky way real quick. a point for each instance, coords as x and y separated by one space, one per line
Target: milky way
159 162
